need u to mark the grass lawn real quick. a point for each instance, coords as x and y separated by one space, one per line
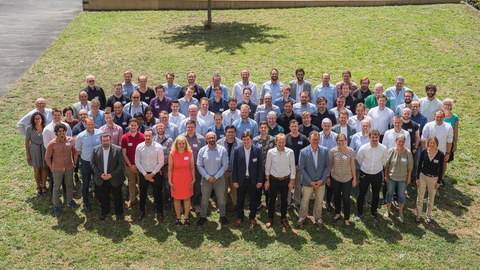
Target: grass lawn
435 44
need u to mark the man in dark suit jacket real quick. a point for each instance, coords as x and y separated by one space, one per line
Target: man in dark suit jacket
343 119
243 183
109 175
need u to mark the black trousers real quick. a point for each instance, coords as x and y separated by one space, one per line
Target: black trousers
247 188
167 196
261 191
157 192
329 194
341 193
278 186
104 196
376 181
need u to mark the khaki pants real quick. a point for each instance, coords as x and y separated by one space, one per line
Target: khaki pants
318 204
229 184
426 183
297 189
58 178
132 183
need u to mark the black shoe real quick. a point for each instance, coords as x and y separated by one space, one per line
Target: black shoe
120 217
329 207
442 184
103 216
224 221
383 202
201 221
375 217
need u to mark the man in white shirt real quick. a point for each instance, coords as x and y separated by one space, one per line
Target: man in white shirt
430 104
204 113
279 178
372 157
40 105
149 160
389 140
237 91
229 116
382 117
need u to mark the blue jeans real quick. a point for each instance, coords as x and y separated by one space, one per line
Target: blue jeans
401 185
86 170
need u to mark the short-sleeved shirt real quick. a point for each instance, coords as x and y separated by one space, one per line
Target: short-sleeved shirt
341 170
297 144
85 142
61 154
130 143
115 132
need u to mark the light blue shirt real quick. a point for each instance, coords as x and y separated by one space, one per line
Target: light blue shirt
248 125
262 111
132 109
330 141
299 109
85 142
200 127
397 99
212 162
329 92
274 89
99 120
184 104
128 90
172 91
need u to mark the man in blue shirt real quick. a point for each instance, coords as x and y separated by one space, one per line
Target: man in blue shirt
212 162
171 89
84 144
327 90
274 86
245 123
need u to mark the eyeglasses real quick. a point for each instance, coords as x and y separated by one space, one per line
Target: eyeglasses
135 97
41 103
91 81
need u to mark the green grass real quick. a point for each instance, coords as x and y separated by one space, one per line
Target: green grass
436 44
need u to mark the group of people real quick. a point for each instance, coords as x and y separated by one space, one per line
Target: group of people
302 142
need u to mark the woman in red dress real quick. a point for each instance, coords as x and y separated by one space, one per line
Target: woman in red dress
181 171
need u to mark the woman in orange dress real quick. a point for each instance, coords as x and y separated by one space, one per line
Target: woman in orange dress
181 171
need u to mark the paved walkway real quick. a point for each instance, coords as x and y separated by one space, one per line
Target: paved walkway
27 28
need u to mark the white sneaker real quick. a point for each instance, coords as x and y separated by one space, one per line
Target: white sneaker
358 218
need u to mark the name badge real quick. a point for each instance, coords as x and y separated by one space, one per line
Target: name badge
186 158
124 102
67 144
409 130
218 158
348 106
125 93
221 135
344 157
115 133
435 161
130 144
254 160
157 107
403 160
247 129
300 143
164 147
221 109
147 98
124 123
194 93
195 145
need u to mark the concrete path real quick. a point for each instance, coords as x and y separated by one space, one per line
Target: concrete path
27 28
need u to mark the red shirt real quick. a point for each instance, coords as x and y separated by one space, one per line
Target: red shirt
130 143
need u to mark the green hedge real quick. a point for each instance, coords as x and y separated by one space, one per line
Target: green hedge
475 3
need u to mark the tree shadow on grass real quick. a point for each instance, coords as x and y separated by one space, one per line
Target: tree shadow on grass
226 37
